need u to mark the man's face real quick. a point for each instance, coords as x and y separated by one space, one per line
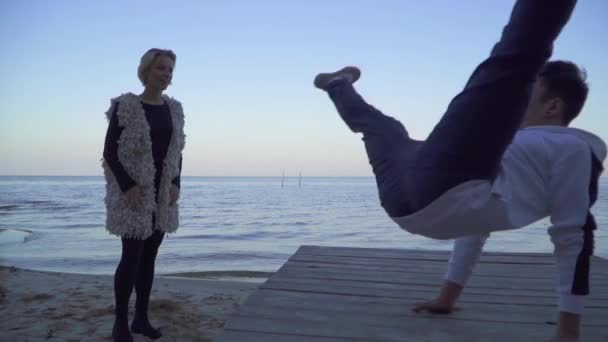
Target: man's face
535 106
542 110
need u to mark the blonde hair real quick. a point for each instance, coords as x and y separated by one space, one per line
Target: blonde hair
148 58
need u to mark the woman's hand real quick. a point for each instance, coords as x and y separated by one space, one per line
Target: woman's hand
135 198
174 194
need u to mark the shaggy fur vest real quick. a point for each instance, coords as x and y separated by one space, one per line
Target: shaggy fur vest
135 154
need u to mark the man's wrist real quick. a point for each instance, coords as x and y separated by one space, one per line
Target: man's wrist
569 325
450 291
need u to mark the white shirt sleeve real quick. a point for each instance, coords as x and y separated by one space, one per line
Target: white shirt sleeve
464 257
569 207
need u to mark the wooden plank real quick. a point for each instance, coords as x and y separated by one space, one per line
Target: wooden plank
402 306
408 254
431 328
422 255
439 269
489 259
523 286
483 270
430 255
402 291
597 270
350 260
311 249
531 287
258 336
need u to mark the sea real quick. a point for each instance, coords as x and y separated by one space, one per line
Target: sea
226 224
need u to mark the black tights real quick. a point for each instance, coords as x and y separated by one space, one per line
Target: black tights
136 268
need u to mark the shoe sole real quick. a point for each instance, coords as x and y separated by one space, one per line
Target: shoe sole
322 80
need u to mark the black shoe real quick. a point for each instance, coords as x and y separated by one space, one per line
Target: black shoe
143 327
120 333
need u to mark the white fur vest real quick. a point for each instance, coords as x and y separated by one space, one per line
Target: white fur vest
135 154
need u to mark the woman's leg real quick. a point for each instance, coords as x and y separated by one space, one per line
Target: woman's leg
143 286
124 280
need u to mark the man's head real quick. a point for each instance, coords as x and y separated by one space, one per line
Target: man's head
558 95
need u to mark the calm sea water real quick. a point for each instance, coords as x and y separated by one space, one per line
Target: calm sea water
57 224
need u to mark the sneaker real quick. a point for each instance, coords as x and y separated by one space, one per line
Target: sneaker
349 73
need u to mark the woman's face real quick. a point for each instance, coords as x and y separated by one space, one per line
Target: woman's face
160 73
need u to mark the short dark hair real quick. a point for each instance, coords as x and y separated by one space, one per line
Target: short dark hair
565 80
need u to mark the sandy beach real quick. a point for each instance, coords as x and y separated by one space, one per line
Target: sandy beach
41 306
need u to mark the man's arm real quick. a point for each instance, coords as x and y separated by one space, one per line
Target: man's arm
571 234
464 257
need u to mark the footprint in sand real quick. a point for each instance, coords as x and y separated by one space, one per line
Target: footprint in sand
36 297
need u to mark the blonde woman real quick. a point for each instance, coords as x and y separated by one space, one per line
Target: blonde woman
142 167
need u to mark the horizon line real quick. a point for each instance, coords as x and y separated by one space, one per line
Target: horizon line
193 176
605 175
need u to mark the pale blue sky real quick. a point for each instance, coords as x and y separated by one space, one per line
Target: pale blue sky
244 75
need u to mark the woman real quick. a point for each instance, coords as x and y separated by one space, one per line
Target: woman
142 167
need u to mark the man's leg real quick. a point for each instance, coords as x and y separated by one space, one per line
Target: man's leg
389 148
480 122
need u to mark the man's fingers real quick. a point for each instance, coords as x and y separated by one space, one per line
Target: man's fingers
130 202
433 308
420 307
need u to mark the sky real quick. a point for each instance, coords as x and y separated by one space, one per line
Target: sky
244 75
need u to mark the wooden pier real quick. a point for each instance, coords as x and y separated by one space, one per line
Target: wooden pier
364 294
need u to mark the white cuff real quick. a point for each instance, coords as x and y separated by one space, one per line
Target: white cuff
457 275
571 303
